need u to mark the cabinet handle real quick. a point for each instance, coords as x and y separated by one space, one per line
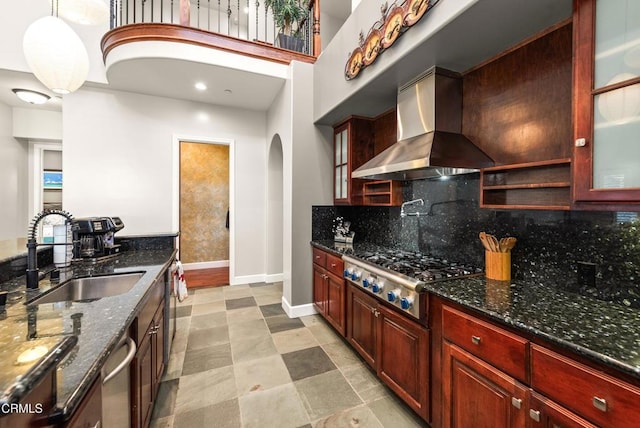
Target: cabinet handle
317 257
600 403
132 352
333 265
516 402
97 425
376 313
581 142
475 340
534 414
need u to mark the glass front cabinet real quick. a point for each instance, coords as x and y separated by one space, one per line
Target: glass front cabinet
352 145
607 101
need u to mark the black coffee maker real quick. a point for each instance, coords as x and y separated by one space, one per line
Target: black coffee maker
93 237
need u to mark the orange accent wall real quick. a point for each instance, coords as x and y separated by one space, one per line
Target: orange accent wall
204 201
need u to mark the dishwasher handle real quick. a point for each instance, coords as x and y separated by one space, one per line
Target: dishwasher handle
132 352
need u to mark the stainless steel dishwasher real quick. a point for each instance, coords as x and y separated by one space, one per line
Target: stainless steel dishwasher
116 395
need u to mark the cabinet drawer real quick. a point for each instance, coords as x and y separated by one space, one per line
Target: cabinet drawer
596 396
335 265
319 257
504 350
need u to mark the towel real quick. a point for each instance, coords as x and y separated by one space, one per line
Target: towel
179 283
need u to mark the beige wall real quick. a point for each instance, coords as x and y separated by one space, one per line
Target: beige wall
204 201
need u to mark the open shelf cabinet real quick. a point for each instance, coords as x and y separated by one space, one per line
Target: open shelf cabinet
382 193
542 185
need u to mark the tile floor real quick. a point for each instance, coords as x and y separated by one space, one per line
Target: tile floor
238 361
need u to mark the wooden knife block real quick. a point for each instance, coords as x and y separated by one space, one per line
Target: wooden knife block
498 265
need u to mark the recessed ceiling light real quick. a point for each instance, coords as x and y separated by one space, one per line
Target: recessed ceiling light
31 97
200 86
228 91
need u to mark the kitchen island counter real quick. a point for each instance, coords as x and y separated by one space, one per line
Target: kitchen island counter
97 324
604 332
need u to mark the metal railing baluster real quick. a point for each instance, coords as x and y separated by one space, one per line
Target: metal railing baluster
257 15
219 17
228 17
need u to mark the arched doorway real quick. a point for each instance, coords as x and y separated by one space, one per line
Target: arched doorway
275 192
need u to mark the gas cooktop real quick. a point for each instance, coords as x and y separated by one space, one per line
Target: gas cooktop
420 266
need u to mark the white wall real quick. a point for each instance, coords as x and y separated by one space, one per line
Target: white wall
14 178
118 161
330 86
37 124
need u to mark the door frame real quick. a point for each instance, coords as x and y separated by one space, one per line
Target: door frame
36 157
175 204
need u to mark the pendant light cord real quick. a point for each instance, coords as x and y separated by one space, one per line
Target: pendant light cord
56 7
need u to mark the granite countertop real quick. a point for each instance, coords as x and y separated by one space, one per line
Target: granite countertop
97 325
607 333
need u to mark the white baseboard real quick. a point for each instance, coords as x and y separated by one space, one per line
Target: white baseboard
275 277
299 310
205 265
247 279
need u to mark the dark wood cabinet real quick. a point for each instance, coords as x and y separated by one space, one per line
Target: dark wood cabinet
394 346
403 359
476 394
352 146
544 413
361 325
148 364
89 412
329 288
355 141
606 86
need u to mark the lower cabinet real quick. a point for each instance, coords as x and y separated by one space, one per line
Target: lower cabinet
396 347
89 413
328 288
548 414
148 364
476 394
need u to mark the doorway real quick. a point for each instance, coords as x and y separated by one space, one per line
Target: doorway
275 208
204 212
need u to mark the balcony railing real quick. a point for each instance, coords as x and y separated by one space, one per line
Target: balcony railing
242 19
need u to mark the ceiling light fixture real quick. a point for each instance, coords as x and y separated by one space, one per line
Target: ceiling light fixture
228 91
30 96
200 86
55 54
85 12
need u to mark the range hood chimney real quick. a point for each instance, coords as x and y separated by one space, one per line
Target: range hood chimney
430 141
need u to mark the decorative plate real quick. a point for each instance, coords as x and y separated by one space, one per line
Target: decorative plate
372 46
392 26
354 64
415 10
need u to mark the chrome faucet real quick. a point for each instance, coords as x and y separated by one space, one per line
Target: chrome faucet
413 202
32 245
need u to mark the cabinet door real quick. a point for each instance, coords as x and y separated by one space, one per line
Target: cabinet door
361 323
158 347
341 164
476 394
545 413
319 288
606 101
145 375
403 359
334 308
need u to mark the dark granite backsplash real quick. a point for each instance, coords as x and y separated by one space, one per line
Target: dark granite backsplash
595 253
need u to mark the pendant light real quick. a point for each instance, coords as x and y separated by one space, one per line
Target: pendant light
55 54
85 12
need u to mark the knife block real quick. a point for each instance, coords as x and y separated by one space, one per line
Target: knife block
498 265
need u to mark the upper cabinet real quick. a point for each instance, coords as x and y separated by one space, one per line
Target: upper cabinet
355 141
606 101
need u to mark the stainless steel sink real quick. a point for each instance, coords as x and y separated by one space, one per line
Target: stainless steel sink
89 288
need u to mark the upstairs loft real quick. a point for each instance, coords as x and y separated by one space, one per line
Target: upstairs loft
151 43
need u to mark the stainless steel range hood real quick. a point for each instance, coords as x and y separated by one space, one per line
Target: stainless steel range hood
430 141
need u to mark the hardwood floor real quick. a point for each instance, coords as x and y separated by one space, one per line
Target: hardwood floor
213 277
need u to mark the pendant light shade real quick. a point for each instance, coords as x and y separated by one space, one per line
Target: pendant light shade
56 55
85 12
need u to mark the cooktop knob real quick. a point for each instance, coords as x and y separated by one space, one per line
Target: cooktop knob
406 302
377 287
393 295
356 275
366 283
348 272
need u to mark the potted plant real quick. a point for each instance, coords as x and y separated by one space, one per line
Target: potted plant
288 16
